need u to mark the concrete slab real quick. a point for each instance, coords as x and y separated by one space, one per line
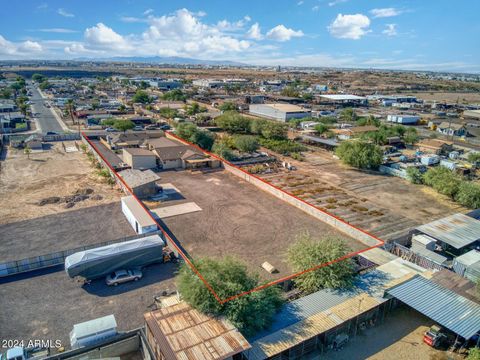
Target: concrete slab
175 210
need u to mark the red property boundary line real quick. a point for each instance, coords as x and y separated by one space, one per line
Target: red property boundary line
192 266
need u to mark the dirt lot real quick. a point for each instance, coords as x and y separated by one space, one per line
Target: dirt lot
47 306
240 220
471 97
63 231
399 337
387 206
25 182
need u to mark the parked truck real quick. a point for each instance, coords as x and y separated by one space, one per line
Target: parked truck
22 353
102 261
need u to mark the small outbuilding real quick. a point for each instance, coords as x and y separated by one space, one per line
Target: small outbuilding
142 183
138 158
141 221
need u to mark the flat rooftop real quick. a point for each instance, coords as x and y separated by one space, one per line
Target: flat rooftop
240 220
283 107
342 97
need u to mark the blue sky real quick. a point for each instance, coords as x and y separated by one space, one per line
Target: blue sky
420 35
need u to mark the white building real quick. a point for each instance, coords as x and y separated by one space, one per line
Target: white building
137 216
403 119
279 112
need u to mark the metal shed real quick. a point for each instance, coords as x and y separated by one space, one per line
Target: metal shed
456 230
451 310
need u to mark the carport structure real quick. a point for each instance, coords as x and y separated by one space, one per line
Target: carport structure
447 308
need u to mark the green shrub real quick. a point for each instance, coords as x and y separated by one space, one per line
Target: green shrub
360 154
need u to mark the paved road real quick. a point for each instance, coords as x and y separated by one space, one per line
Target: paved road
45 118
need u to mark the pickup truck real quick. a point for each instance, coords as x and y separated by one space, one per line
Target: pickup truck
21 353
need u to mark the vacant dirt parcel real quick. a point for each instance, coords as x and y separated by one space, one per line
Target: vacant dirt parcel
240 220
386 206
25 182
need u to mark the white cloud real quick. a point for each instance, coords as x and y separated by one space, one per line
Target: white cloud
133 19
148 12
349 26
316 8
254 32
102 36
282 33
58 30
181 33
9 49
390 30
336 2
65 13
300 3
385 12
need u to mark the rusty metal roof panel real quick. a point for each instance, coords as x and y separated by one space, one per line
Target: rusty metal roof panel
457 230
185 333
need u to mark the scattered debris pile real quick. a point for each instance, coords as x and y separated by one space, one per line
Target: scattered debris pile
70 200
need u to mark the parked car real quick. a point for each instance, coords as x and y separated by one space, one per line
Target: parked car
150 127
51 133
165 127
138 128
122 276
110 129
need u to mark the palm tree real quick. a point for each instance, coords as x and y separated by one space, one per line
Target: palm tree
71 109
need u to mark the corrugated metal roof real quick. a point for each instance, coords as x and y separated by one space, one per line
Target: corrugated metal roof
184 333
453 311
457 230
468 258
319 312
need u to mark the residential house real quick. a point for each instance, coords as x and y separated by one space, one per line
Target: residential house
175 155
119 141
452 129
435 146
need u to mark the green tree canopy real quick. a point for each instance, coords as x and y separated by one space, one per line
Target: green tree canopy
123 125
233 122
274 130
321 128
468 194
306 253
228 106
193 134
348 115
175 95
290 91
443 180
414 175
223 150
474 157
141 97
249 313
38 78
194 108
360 154
246 143
168 112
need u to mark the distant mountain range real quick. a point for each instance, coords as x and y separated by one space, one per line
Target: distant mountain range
174 60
